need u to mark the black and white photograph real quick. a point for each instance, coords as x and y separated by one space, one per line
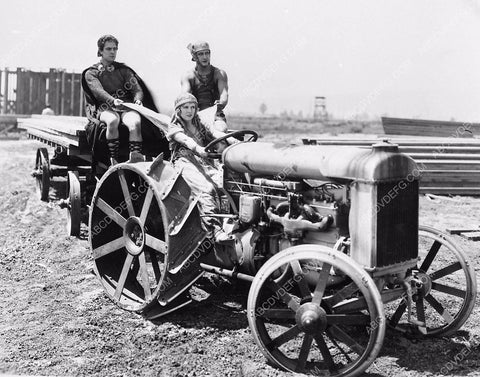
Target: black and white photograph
239 189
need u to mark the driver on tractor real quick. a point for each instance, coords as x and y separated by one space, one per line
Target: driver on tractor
188 136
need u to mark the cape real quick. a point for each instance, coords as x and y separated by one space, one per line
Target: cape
154 140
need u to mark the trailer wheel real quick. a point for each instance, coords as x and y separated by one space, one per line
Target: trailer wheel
74 204
42 173
311 323
446 288
128 237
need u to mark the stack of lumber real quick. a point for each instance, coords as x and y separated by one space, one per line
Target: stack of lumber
65 131
447 165
433 128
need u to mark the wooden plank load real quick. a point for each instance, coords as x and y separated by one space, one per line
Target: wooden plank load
65 131
68 133
447 165
437 128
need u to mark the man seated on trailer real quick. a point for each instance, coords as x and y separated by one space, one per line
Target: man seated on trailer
107 84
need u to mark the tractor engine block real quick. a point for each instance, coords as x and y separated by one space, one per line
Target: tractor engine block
363 201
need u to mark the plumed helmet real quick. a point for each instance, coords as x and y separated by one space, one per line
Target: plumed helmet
197 47
104 39
184 98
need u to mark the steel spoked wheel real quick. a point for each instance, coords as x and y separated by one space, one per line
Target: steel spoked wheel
446 288
127 237
74 204
42 173
310 322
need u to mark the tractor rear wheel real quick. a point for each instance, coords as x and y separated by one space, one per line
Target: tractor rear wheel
128 237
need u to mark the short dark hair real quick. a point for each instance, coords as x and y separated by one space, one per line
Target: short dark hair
104 39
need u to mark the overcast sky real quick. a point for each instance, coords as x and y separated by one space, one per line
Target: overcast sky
405 58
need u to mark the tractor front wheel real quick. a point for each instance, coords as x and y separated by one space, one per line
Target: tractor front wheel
311 321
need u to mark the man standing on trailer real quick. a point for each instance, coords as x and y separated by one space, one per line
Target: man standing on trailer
207 83
107 84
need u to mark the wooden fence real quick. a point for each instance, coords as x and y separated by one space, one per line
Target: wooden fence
27 92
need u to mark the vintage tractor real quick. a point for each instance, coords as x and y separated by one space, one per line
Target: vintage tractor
328 237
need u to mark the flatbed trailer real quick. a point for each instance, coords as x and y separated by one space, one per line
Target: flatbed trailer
73 158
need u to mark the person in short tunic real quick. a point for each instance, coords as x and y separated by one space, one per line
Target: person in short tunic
111 84
207 83
188 137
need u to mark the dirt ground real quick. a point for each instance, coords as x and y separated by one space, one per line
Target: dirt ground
57 321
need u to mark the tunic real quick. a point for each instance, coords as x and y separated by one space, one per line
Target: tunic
118 81
205 90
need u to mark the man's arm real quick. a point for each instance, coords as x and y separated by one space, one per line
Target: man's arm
222 81
97 89
185 83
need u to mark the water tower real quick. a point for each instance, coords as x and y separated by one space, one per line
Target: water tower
320 109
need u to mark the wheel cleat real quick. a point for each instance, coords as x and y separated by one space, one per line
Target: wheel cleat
136 157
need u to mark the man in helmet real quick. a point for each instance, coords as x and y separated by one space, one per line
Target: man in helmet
207 83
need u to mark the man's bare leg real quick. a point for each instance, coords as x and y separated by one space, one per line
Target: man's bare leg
132 120
111 120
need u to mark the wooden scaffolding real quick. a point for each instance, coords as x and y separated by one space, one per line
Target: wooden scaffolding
27 92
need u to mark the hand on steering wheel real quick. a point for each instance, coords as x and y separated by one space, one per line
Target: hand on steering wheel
213 154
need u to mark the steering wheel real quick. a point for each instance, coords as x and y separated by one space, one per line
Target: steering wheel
209 147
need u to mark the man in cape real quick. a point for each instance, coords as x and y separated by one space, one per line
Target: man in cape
107 85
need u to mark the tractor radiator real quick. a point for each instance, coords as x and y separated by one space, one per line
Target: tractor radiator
397 222
384 222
